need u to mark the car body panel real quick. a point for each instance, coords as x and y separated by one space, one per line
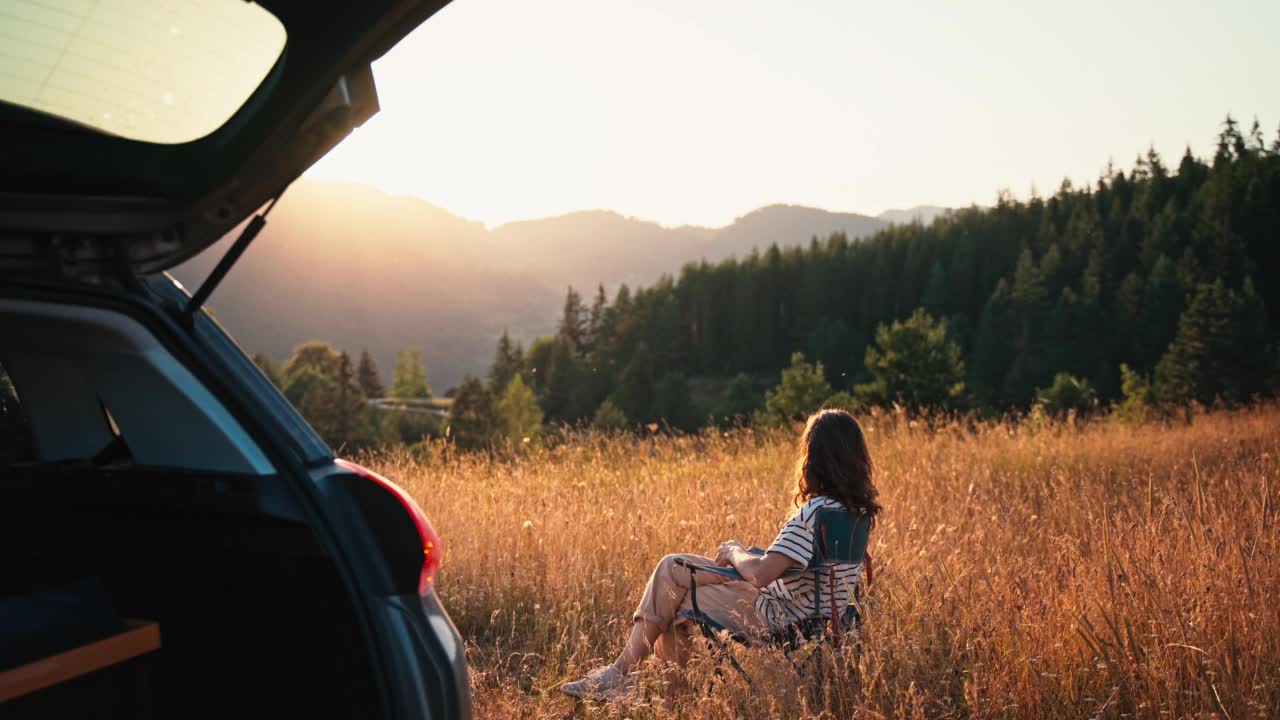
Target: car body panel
78 363
414 650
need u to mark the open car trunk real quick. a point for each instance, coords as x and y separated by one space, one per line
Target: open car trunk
130 494
253 619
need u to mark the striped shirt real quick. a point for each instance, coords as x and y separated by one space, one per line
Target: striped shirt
786 601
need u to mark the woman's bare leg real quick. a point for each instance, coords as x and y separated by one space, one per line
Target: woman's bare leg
673 646
644 634
662 598
654 628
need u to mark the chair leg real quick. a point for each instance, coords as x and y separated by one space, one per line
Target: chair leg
715 642
722 652
737 666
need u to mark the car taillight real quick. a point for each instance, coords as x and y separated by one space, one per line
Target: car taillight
431 551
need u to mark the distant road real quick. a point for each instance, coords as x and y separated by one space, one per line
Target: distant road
438 407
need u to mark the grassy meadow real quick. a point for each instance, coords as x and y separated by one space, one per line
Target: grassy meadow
1022 570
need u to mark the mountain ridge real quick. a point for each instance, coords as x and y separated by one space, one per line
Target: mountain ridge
363 268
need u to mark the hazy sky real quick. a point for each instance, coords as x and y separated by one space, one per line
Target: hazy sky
697 111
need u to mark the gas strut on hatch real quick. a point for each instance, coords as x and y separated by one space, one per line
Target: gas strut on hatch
233 254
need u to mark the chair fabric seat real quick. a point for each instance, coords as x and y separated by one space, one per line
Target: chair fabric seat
839 537
790 637
706 621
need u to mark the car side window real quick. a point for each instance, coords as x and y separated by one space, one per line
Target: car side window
15 431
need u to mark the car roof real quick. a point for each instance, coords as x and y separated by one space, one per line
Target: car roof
78 201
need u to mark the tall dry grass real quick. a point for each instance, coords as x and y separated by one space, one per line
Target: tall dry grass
1023 571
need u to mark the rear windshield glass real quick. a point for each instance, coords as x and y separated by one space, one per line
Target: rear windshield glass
162 72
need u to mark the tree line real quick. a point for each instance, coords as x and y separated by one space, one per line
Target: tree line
1146 292
1153 288
334 394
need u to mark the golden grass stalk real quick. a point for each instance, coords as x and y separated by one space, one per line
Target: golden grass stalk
1022 571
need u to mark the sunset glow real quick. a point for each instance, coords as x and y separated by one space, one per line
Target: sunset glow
698 112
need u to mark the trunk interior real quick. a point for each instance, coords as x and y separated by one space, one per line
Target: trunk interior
253 618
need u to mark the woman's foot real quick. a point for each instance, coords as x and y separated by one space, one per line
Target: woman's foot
605 683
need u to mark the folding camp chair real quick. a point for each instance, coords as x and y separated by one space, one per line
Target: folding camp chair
839 537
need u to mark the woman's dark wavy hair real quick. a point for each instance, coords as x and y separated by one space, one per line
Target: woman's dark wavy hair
834 461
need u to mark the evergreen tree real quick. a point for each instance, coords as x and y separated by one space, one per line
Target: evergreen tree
351 427
635 389
1030 303
671 403
537 362
935 292
1075 342
564 376
914 366
1162 303
410 377
573 321
1220 352
596 319
368 376
508 362
995 346
519 415
473 422
838 349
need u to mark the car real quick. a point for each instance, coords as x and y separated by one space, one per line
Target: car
177 541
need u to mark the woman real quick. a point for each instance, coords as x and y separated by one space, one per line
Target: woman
833 470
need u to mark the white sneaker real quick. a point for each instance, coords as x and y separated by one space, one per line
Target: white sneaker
604 683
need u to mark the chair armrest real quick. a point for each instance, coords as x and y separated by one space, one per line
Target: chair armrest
756 551
728 572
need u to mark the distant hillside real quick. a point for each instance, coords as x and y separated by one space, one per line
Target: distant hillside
925 214
595 246
586 248
362 268
785 225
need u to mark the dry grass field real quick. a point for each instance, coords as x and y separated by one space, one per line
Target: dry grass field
1022 570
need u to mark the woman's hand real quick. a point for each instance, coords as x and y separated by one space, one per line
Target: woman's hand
725 554
757 570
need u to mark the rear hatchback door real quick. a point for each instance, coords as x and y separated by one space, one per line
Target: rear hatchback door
137 133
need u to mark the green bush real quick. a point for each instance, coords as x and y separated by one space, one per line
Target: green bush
841 401
609 417
1067 395
802 390
914 365
1138 399
403 426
